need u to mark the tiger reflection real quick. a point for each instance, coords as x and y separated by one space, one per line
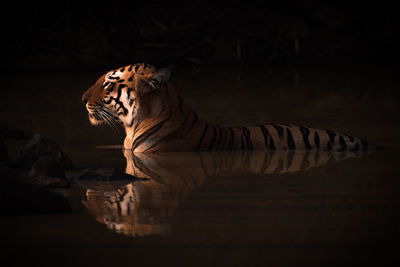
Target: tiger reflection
146 207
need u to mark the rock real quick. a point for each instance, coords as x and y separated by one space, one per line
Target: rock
47 172
49 181
3 151
18 196
39 146
46 160
9 133
104 178
47 166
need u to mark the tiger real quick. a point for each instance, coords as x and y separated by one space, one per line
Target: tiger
156 119
146 206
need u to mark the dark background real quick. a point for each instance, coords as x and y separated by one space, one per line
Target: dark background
103 35
331 64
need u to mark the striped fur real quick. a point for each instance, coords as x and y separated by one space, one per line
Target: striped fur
147 207
156 119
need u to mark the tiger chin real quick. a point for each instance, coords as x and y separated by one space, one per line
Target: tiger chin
156 119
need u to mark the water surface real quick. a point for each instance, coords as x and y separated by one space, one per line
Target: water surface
219 209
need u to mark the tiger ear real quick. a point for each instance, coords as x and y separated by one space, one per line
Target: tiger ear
159 77
154 81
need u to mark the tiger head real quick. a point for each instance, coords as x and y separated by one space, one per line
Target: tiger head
116 95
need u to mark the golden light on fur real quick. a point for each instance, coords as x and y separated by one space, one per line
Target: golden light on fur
156 119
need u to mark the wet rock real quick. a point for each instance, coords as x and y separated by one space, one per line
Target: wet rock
3 151
50 181
104 178
8 133
47 166
18 196
47 172
39 146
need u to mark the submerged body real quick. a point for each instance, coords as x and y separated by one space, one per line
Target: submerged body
157 120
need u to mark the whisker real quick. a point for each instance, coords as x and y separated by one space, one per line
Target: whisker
112 118
114 127
110 122
107 120
113 123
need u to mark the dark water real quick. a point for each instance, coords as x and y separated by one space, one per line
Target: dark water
220 209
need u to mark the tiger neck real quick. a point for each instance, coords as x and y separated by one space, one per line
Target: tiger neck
158 115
